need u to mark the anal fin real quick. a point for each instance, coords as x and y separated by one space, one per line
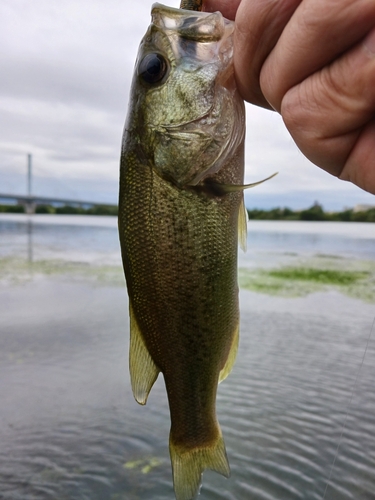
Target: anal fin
143 371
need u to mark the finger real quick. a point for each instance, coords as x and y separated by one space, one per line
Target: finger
327 114
227 7
259 24
318 32
360 166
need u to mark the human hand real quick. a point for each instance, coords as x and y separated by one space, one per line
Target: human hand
313 61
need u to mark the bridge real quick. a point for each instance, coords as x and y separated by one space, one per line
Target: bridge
31 201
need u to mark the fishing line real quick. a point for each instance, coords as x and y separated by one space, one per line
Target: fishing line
347 411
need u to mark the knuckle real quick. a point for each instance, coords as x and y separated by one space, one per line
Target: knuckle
268 83
259 24
298 107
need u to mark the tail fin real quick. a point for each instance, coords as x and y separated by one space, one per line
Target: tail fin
189 464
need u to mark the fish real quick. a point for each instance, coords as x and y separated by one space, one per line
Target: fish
181 215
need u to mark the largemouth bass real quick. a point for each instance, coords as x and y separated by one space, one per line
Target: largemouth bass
180 211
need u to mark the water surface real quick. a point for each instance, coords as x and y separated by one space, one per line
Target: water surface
70 428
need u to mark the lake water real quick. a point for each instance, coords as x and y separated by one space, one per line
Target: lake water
298 397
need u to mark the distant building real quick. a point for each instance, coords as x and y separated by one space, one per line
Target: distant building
362 208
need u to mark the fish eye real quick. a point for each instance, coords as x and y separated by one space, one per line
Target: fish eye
152 68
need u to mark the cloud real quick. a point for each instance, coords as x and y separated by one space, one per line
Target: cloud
66 74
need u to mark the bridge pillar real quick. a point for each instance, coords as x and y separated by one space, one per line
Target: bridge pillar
30 207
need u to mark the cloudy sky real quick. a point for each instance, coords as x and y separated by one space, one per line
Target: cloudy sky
66 69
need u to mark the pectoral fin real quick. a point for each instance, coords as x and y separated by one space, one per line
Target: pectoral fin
225 371
221 189
143 371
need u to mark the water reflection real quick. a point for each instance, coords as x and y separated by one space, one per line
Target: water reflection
30 240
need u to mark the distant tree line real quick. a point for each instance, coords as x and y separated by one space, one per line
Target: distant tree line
12 209
66 209
315 212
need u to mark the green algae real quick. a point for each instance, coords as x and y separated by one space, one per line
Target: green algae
321 273
324 276
16 271
144 465
299 277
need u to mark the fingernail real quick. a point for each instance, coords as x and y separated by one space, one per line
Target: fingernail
369 42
